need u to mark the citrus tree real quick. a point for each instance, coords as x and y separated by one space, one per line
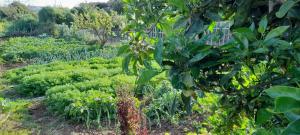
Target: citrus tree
263 52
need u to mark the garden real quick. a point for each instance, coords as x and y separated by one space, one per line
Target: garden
172 67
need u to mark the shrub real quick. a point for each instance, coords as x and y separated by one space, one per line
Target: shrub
25 26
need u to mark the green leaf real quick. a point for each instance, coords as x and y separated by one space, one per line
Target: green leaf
263 116
261 50
196 27
292 128
179 4
276 32
263 25
188 80
212 26
252 27
146 75
158 53
123 49
242 40
200 56
293 115
247 33
125 63
286 104
224 80
181 22
284 91
285 7
261 131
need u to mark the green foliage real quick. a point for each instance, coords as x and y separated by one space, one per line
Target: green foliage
26 25
83 91
165 104
89 106
287 101
263 52
3 27
14 11
49 15
38 50
36 80
99 21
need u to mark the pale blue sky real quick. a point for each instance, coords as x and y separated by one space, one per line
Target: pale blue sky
64 3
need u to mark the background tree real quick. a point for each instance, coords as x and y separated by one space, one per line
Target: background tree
55 15
98 21
15 11
116 5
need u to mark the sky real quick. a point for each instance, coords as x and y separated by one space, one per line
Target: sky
64 3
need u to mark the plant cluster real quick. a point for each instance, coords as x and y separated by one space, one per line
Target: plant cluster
45 50
83 91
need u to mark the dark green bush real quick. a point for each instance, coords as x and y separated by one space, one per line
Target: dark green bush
25 26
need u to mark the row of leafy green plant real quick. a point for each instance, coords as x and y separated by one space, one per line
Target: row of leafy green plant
45 50
85 91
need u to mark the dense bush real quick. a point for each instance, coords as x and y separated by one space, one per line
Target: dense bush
48 15
38 50
26 25
14 11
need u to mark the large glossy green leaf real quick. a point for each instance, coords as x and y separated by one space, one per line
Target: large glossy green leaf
263 25
123 49
293 128
285 7
276 32
284 91
158 53
286 104
263 116
200 56
293 115
146 75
